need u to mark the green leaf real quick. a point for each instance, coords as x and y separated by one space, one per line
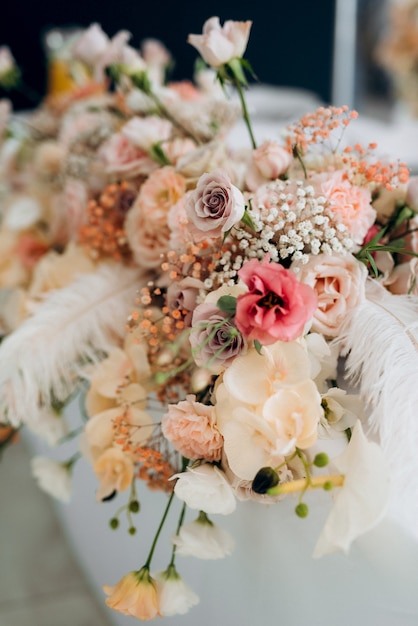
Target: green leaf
248 221
157 153
373 264
258 346
227 304
235 67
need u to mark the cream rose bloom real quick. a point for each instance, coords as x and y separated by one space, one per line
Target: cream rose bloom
339 283
115 471
220 44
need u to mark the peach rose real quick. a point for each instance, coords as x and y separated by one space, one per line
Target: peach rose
115 471
350 204
190 426
404 278
339 282
146 225
220 44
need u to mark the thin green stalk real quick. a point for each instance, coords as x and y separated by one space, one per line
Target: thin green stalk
179 525
245 111
157 534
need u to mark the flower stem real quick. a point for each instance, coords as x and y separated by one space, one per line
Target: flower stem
179 525
315 482
157 534
245 111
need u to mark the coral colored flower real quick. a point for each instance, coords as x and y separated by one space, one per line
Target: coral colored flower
215 206
190 426
220 44
135 595
174 596
276 307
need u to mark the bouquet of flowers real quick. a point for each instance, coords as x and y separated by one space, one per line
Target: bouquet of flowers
208 305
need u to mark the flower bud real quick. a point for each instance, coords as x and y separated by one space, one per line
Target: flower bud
302 510
321 460
265 478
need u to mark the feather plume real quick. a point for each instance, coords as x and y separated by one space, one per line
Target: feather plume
381 343
39 362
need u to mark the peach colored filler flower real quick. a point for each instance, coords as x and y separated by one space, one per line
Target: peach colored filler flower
146 225
190 426
276 306
135 595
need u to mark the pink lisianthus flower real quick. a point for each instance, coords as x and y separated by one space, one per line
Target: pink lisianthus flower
276 307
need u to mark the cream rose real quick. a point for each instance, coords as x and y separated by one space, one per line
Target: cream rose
339 283
220 44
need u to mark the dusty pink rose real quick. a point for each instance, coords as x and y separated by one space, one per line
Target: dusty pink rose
182 296
350 204
191 428
146 225
215 339
269 161
220 44
338 281
276 307
122 157
214 206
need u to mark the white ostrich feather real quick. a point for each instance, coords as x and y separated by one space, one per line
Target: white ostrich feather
40 361
381 343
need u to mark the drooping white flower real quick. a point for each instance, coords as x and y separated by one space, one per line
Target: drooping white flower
174 596
52 477
362 500
50 426
205 488
203 540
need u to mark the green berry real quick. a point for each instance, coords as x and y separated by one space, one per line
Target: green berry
134 506
328 485
321 460
265 478
302 510
114 523
132 530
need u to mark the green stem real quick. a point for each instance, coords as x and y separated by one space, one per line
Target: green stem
179 525
164 111
157 534
245 111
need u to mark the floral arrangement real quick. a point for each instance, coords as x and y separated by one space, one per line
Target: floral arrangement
208 305
397 52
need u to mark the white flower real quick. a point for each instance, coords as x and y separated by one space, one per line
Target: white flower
362 501
203 539
146 132
174 596
91 45
205 488
342 409
220 44
52 477
7 62
49 426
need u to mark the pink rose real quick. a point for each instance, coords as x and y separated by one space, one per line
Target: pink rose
339 283
350 204
182 296
191 428
214 206
412 193
276 306
404 278
268 163
220 44
121 157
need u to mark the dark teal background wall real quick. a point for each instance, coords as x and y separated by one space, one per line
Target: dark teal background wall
290 44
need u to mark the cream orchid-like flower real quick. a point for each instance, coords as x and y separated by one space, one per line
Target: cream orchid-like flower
362 500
